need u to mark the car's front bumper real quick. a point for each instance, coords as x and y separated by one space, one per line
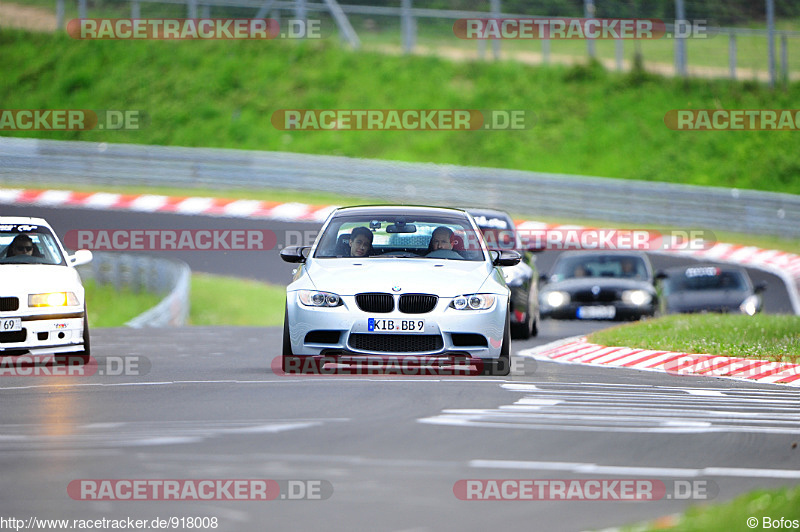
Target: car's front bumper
53 332
343 330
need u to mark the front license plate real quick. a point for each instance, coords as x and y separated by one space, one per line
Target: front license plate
395 326
600 312
10 324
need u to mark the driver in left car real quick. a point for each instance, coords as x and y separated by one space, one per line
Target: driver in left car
21 245
442 238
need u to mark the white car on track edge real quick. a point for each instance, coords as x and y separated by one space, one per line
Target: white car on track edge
42 306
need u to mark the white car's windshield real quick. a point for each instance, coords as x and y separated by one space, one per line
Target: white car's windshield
28 244
433 237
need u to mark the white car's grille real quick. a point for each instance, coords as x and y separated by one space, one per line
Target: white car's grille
9 303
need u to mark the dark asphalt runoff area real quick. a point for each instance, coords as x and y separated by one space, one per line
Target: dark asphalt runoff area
385 453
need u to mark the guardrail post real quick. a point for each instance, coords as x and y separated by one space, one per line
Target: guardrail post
59 14
191 8
784 59
136 11
732 54
619 53
300 10
546 50
496 13
588 12
680 41
407 26
82 11
771 41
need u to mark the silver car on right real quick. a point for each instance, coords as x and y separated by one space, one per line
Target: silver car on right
710 288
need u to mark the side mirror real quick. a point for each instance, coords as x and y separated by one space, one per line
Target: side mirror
661 275
295 254
505 258
543 277
760 287
82 256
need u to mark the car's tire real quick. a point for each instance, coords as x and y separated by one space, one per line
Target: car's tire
523 331
288 360
82 357
500 366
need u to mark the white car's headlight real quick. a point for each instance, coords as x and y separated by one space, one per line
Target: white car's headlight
473 302
315 298
636 297
749 306
556 298
53 299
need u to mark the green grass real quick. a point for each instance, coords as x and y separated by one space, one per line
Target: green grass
108 307
768 337
774 504
223 93
218 300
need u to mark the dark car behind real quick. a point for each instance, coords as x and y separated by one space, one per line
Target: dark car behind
500 232
599 285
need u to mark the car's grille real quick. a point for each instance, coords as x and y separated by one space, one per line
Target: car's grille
606 295
13 337
396 343
375 302
417 303
9 303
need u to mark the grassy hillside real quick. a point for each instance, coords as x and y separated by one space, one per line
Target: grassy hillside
223 94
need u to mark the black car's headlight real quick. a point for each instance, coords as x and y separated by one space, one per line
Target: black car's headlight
473 302
636 297
315 298
750 305
556 298
53 299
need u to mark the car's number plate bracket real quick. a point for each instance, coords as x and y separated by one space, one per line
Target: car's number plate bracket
390 325
10 324
597 312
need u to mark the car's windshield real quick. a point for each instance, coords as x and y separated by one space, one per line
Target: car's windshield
705 278
392 236
28 244
623 267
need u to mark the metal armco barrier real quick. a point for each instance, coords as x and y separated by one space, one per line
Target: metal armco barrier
31 161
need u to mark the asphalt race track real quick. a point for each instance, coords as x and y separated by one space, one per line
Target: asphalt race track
384 453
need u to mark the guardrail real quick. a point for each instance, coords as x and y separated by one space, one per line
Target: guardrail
140 272
31 161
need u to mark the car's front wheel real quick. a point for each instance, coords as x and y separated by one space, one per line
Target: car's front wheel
500 366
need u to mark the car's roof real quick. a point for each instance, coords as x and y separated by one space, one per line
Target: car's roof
602 252
480 211
720 267
16 220
394 210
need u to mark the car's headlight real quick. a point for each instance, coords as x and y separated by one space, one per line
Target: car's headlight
473 302
314 298
750 305
636 297
556 298
53 299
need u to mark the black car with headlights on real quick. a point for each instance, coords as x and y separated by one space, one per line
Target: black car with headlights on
710 288
500 233
599 285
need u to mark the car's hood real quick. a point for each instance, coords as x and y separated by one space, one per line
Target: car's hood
693 301
586 283
446 278
37 278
